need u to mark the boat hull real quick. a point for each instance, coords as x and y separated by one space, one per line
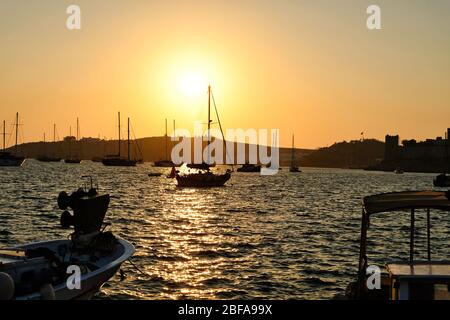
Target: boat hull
202 180
164 164
90 282
119 162
442 181
249 168
11 162
74 161
46 159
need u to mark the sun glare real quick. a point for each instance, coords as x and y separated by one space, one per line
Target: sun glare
193 84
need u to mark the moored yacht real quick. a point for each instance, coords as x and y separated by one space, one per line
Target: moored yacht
200 175
8 159
117 160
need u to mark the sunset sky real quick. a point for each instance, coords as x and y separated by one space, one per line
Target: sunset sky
311 68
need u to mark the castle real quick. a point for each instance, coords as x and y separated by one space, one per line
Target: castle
431 155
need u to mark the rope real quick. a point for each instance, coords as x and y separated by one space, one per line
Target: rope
220 126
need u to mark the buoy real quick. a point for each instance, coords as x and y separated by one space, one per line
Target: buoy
47 292
6 286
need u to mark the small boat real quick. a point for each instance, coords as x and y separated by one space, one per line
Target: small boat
155 174
293 167
47 158
71 159
43 270
202 176
406 279
399 171
165 163
117 160
442 180
248 167
7 159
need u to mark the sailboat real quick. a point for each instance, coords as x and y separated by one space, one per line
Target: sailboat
73 160
116 159
8 159
46 158
203 176
166 162
293 167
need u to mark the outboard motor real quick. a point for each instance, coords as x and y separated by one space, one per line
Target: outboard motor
89 209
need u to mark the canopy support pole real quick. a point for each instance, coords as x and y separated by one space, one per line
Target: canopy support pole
428 234
362 254
411 238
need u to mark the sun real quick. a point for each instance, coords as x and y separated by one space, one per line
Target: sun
193 84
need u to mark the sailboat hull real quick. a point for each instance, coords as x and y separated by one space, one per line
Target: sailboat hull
119 162
202 180
164 164
47 159
74 161
11 161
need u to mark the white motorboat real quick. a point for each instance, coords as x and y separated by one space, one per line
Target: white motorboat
66 269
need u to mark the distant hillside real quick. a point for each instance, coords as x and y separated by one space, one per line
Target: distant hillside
353 154
149 149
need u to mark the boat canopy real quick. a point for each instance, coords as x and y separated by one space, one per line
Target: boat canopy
406 200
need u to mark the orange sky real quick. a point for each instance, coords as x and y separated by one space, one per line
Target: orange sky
306 67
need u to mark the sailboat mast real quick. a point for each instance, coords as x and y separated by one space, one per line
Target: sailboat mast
118 114
78 129
209 113
209 120
166 140
128 139
292 152
54 132
4 134
17 128
70 142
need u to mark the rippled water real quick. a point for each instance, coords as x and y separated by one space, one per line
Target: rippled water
285 236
